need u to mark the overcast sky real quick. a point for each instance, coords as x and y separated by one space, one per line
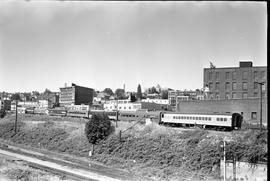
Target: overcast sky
108 44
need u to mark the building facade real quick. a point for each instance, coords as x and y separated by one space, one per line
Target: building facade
235 82
175 96
75 95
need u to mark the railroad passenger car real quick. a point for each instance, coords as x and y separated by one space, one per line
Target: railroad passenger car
217 121
57 112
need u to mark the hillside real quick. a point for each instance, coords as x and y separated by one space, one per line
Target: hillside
155 152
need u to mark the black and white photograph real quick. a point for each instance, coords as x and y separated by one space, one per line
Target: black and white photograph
133 90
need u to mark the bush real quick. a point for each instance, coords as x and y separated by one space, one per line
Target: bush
97 128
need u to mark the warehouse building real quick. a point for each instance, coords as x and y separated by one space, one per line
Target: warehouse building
75 95
232 90
235 82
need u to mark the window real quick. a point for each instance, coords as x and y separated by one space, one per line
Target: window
227 85
221 119
244 75
217 119
234 75
227 96
263 74
217 75
210 75
217 85
255 74
244 85
227 75
233 95
209 119
244 95
255 94
255 85
234 86
210 85
217 95
253 115
211 96
263 87
225 119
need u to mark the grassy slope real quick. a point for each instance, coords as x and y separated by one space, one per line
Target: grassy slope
154 151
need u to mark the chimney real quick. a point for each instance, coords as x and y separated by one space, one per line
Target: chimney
245 64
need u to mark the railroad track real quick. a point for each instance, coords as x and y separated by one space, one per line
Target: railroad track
75 170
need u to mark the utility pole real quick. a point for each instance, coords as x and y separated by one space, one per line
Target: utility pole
224 156
15 128
261 84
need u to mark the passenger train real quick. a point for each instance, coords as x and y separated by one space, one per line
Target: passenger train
208 121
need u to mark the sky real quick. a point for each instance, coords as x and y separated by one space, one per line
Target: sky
100 44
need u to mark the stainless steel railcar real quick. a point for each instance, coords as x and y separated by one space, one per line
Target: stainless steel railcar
57 112
216 121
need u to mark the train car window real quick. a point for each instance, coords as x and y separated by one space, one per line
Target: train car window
209 119
225 119
187 117
221 119
196 118
199 118
217 119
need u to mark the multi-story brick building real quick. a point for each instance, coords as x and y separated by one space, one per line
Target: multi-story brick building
75 95
235 82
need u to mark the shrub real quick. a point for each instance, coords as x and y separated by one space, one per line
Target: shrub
97 128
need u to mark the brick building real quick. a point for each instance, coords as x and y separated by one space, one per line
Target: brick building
235 82
249 108
75 95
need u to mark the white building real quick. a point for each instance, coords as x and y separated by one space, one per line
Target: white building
122 105
157 101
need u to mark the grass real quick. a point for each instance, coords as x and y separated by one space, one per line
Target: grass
152 151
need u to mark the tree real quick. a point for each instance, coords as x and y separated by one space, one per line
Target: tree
164 94
47 92
108 91
132 98
152 90
16 96
139 92
120 93
97 129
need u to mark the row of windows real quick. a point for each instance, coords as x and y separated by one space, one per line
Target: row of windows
192 118
233 95
234 86
233 76
129 115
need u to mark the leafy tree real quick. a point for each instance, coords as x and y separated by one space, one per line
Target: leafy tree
108 91
16 96
139 92
47 92
164 94
132 98
120 93
97 129
152 90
